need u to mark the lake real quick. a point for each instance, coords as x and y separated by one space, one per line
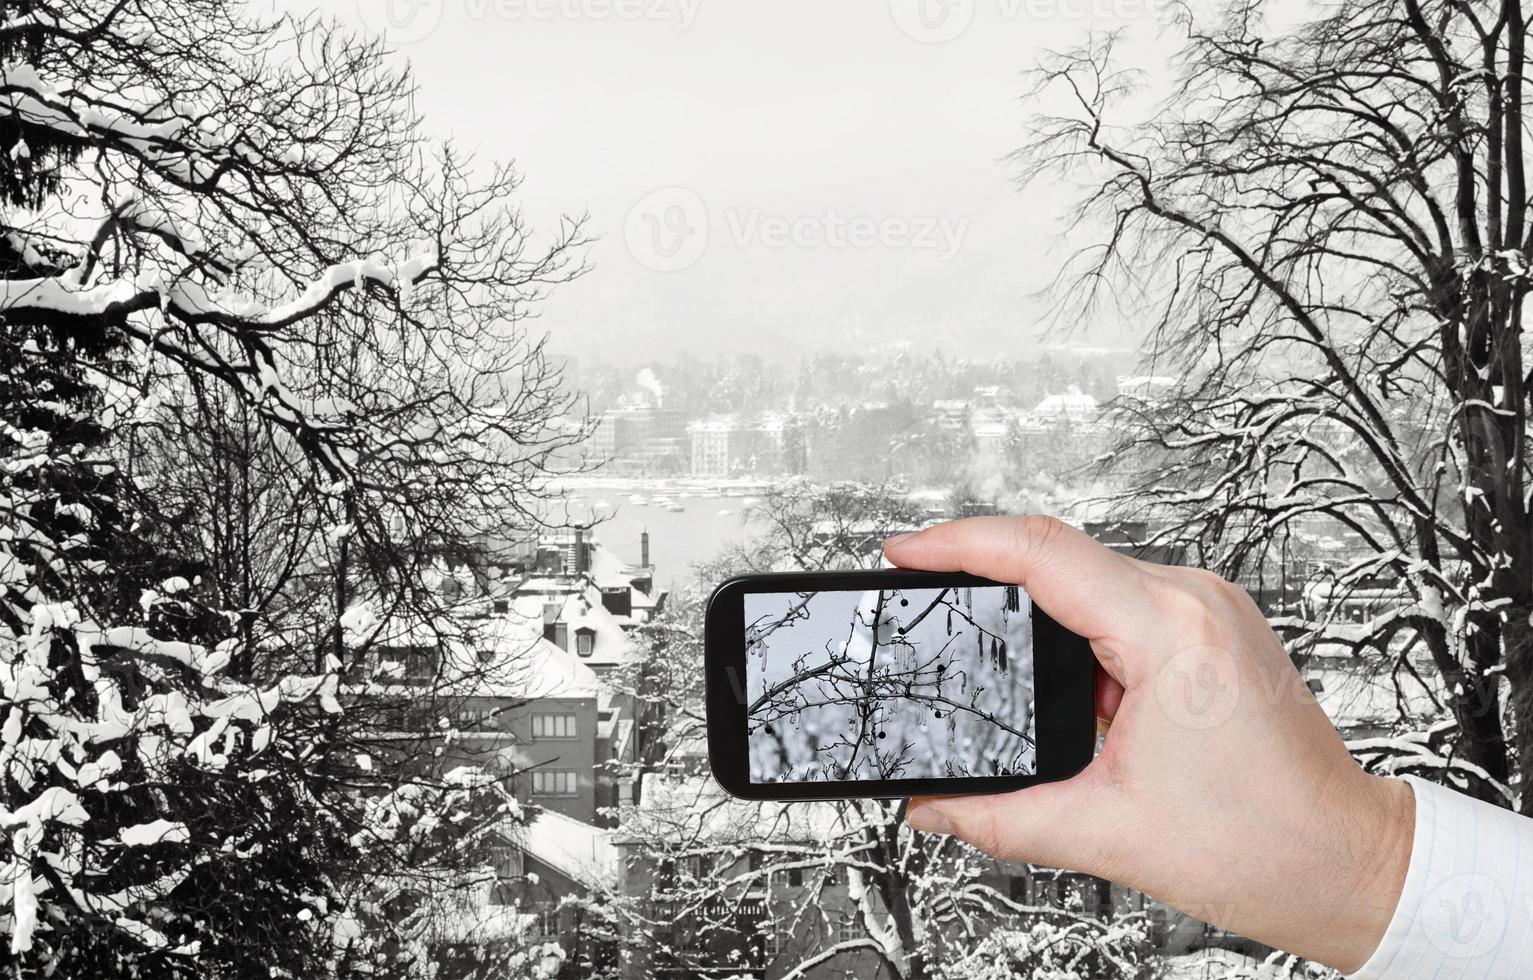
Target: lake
678 540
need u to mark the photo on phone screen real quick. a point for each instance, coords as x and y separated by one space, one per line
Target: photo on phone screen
902 683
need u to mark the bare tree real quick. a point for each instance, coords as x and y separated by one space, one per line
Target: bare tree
926 682
1326 229
267 388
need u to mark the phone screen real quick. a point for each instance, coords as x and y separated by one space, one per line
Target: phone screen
889 684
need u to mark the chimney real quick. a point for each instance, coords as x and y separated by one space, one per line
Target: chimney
580 551
644 548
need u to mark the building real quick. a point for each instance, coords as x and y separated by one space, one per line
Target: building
994 432
529 693
1074 406
717 445
642 440
772 444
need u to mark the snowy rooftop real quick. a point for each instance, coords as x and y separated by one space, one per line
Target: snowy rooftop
695 808
544 671
582 853
1355 693
1074 403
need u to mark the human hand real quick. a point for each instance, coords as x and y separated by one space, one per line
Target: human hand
1221 788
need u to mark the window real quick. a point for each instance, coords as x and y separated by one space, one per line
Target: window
585 642
420 665
847 929
553 782
412 663
1315 685
475 719
418 718
796 877
545 923
1017 889
554 726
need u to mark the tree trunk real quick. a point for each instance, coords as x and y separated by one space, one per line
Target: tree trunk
1518 635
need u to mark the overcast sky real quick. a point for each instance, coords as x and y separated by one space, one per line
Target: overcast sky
771 176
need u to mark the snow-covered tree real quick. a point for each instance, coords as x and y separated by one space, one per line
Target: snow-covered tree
717 882
265 390
1326 231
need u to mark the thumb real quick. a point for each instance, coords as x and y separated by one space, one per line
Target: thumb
1050 824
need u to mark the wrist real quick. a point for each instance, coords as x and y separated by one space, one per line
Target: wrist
1381 854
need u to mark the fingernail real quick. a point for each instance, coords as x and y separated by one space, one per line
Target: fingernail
896 539
929 819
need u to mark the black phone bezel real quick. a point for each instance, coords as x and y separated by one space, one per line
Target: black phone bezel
1064 682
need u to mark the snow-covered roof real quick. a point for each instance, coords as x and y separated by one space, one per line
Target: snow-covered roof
582 853
1356 694
1073 403
586 612
509 658
581 609
475 919
607 570
546 671
695 808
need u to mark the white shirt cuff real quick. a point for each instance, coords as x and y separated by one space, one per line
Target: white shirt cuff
1466 910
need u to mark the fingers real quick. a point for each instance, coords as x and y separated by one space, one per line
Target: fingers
1109 694
1044 824
1086 587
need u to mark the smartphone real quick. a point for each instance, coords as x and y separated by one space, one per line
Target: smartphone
890 683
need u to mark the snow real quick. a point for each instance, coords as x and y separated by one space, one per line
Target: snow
23 910
54 295
358 623
154 832
542 670
582 853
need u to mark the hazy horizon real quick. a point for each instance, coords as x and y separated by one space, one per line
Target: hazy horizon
784 177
